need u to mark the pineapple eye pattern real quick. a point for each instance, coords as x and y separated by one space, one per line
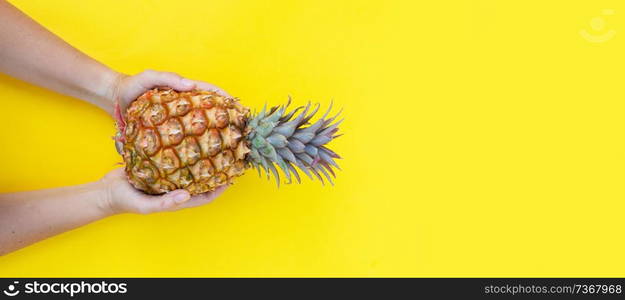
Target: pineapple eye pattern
221 118
138 107
188 151
148 142
171 132
195 122
146 172
179 107
169 161
154 115
211 141
203 170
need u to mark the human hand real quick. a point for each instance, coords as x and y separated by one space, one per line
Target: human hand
126 89
121 197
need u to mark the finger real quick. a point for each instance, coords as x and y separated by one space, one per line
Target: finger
205 198
151 79
210 87
165 202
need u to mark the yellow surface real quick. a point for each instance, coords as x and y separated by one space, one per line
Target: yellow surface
483 138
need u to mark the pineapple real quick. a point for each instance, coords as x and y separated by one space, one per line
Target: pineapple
200 140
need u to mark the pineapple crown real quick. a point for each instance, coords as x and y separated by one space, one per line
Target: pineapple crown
276 137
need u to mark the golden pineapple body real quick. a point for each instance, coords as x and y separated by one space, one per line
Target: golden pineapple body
192 140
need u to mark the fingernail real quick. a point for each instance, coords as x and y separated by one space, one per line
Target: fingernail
181 197
187 82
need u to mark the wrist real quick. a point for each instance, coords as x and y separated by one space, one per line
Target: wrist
103 89
104 200
109 88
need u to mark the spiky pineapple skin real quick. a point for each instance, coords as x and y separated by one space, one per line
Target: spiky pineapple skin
184 140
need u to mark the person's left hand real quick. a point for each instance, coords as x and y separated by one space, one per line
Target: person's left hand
121 197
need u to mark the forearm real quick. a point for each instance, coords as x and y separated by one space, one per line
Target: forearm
28 217
30 52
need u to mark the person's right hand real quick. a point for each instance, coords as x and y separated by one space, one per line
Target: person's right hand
127 88
121 197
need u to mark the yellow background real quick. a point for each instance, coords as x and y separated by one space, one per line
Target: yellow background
483 138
